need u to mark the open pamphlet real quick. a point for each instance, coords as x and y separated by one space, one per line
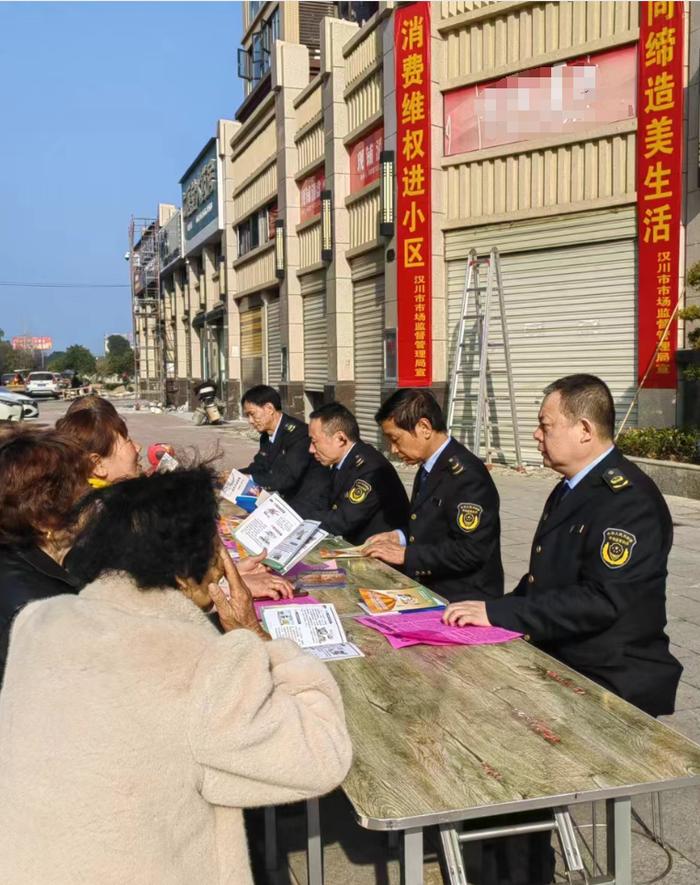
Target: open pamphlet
239 484
274 526
316 628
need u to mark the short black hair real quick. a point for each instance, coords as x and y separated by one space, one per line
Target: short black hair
335 417
586 396
408 405
155 528
261 394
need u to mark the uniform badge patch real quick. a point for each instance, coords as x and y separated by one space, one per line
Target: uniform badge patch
616 479
290 428
617 546
359 491
469 517
456 465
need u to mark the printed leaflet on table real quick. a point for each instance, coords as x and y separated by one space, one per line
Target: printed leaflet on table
402 599
316 628
427 628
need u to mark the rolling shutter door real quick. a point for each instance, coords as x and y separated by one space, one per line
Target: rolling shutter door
570 308
315 341
369 353
274 346
251 347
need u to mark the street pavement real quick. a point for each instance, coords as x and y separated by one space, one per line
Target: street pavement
356 856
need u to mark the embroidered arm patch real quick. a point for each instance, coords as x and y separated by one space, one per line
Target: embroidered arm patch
617 546
469 517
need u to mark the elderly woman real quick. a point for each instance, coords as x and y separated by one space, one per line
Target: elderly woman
133 734
97 427
42 476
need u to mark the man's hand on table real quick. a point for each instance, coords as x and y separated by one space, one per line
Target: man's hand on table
382 537
385 547
460 614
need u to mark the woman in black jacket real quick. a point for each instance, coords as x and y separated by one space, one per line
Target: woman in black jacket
43 474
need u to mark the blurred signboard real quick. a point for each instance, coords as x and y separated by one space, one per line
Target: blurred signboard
26 343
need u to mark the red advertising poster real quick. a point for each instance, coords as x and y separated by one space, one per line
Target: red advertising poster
25 343
413 233
659 163
310 192
364 160
567 97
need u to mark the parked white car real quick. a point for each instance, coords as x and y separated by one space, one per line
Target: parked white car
43 384
9 409
30 409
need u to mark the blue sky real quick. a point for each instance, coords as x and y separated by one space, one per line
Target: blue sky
103 107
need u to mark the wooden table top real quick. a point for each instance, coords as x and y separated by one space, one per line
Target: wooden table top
456 732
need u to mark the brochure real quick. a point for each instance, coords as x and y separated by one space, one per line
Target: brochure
342 553
308 625
239 484
427 628
402 599
337 652
274 526
332 579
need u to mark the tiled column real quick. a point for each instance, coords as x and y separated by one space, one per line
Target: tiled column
290 74
339 302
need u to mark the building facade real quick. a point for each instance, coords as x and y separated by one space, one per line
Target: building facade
378 144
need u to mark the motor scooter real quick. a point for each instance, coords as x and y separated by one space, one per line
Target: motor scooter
208 409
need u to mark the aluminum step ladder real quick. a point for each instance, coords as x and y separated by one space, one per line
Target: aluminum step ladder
483 299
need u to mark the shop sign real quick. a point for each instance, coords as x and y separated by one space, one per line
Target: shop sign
560 99
364 160
310 195
23 342
659 180
413 232
169 244
200 203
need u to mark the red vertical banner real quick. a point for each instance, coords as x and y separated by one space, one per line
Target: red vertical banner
413 218
659 182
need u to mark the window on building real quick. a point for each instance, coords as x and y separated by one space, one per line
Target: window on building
257 229
254 64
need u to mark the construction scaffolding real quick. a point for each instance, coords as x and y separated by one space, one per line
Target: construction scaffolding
147 309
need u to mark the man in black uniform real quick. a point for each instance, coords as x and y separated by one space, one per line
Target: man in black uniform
283 464
595 595
451 541
367 495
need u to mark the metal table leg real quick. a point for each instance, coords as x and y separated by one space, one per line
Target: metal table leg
270 838
618 817
314 846
412 860
452 853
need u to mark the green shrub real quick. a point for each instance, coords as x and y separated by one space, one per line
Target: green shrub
661 444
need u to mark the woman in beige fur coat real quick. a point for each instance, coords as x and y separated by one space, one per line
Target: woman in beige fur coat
132 732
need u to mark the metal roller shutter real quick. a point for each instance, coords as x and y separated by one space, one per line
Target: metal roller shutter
251 347
315 341
274 346
570 308
369 354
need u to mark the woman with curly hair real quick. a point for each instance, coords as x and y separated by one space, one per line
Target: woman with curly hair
133 733
43 476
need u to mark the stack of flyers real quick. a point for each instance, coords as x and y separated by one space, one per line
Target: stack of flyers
427 628
342 553
401 599
331 579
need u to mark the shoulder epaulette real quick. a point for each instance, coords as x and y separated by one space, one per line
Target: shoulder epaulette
359 460
456 466
616 479
290 427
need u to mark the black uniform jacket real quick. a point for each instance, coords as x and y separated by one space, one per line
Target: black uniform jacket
286 466
454 531
27 574
595 594
367 497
